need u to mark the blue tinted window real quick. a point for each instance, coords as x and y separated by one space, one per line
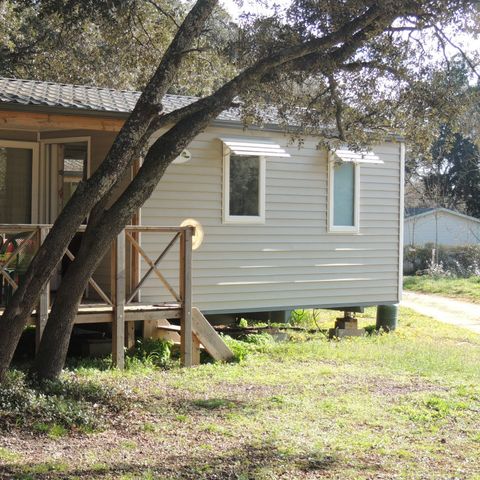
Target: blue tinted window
344 194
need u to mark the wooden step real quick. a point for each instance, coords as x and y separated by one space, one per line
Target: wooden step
204 335
166 331
208 337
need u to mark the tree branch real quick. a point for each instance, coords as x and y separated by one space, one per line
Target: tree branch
338 106
196 116
359 65
135 131
445 39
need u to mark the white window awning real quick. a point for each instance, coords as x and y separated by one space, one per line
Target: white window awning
357 157
261 147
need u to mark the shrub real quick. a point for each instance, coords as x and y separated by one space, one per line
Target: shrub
459 261
437 270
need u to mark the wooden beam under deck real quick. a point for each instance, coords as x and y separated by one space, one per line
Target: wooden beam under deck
98 313
17 120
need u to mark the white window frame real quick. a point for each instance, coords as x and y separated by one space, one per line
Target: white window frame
53 212
355 228
35 167
86 139
243 219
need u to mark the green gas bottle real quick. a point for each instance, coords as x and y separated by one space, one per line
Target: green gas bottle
387 317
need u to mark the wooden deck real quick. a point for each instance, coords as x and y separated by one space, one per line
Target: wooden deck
119 304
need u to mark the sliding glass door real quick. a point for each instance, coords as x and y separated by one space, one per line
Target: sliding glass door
17 182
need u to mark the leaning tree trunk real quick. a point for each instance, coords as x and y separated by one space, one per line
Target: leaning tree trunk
128 145
56 336
50 253
43 264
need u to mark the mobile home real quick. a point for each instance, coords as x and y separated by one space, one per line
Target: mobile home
278 227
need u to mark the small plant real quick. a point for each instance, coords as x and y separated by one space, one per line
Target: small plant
239 349
152 352
306 318
260 339
243 323
299 317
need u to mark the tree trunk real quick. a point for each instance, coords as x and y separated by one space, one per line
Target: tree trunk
56 336
43 264
51 252
128 145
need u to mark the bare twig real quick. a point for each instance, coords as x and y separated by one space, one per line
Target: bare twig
164 12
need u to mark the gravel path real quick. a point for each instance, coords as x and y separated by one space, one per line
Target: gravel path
447 310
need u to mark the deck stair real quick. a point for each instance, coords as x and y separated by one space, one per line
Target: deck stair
204 335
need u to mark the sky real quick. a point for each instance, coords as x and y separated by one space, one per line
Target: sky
251 6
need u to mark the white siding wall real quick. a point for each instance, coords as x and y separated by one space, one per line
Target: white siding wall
443 228
291 260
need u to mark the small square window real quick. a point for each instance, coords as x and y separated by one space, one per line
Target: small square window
244 189
343 196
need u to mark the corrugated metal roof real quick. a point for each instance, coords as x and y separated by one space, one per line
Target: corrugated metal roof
410 213
83 97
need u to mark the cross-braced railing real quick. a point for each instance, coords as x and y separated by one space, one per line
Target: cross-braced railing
19 243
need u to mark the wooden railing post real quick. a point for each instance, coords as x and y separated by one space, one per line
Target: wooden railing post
187 346
119 293
44 300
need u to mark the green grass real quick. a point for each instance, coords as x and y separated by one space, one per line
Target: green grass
398 405
464 288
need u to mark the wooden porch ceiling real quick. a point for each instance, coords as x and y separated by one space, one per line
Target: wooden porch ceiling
42 121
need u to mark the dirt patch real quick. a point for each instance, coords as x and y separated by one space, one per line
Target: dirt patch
392 388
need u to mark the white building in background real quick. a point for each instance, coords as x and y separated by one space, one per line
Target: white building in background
440 226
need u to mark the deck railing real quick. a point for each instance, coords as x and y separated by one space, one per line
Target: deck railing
120 306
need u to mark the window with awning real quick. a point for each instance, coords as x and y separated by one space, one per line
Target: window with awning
344 188
244 177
